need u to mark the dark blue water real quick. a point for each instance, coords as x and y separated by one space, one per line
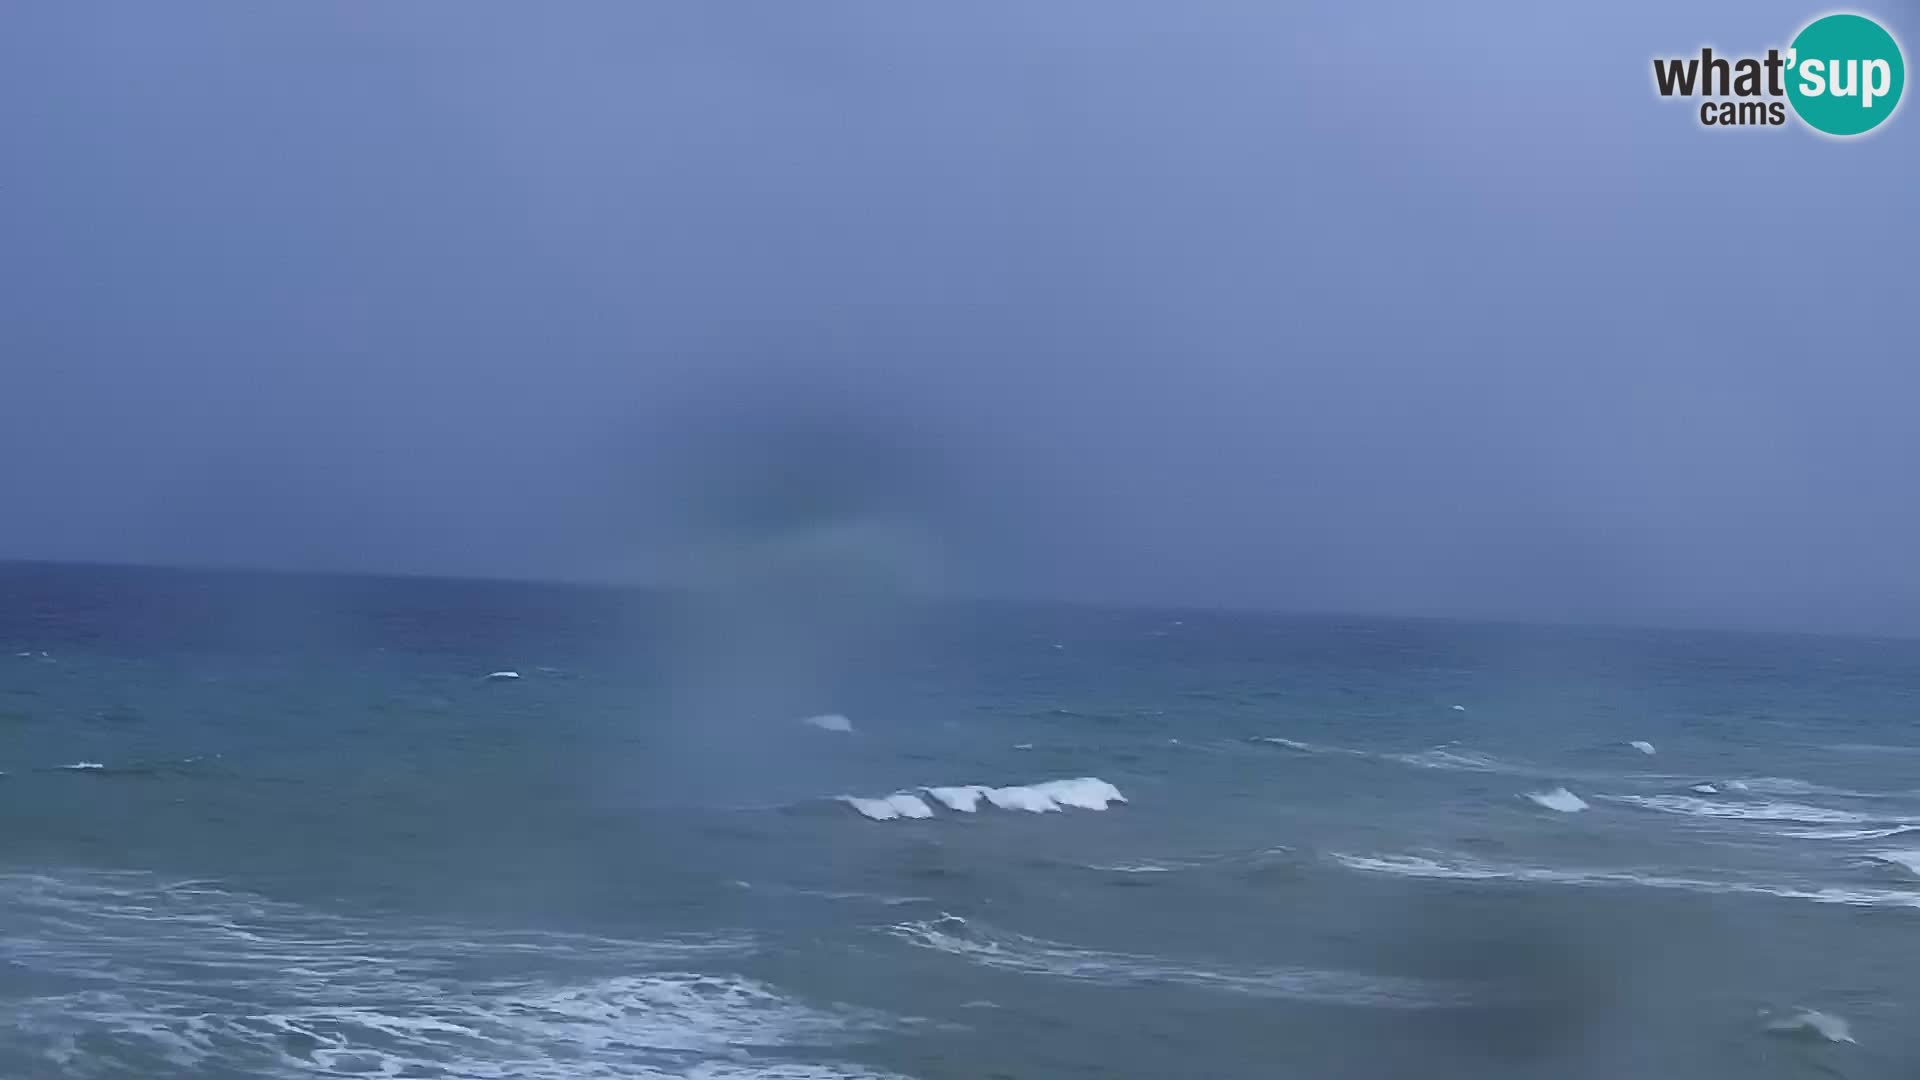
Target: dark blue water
274 826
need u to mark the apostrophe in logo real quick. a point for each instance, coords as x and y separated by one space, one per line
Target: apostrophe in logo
1842 76
1847 74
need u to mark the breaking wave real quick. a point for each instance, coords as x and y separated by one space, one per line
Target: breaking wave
152 979
1813 1024
1907 860
1084 793
900 804
1559 799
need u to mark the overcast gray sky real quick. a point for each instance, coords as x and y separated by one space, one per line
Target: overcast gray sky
1394 307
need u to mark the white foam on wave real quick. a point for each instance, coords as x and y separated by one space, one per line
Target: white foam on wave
83 766
1742 811
987 946
1907 859
1461 868
1705 789
1643 746
965 798
1811 1023
205 981
1050 796
1085 793
900 804
829 722
1559 799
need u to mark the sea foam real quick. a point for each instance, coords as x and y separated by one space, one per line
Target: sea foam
1908 859
1811 1023
1560 799
306 992
829 722
1082 793
900 804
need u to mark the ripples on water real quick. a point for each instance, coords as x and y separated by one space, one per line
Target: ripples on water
1203 846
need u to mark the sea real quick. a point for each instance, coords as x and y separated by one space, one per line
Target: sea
288 826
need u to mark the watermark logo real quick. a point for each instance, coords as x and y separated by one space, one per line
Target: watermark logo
1842 76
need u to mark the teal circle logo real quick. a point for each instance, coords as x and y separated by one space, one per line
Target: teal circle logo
1845 74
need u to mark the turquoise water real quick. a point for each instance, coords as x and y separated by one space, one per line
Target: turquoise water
272 826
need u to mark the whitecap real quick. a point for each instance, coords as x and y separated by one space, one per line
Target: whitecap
829 722
502 676
80 766
900 804
1643 746
1811 1023
1086 792
1705 789
1560 799
1907 859
1049 796
1020 798
1459 708
965 798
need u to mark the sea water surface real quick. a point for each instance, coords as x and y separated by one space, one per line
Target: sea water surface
275 826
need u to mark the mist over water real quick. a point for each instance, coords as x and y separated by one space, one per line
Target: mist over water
793 540
1247 307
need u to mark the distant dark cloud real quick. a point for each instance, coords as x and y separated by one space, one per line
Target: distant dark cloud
1403 308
